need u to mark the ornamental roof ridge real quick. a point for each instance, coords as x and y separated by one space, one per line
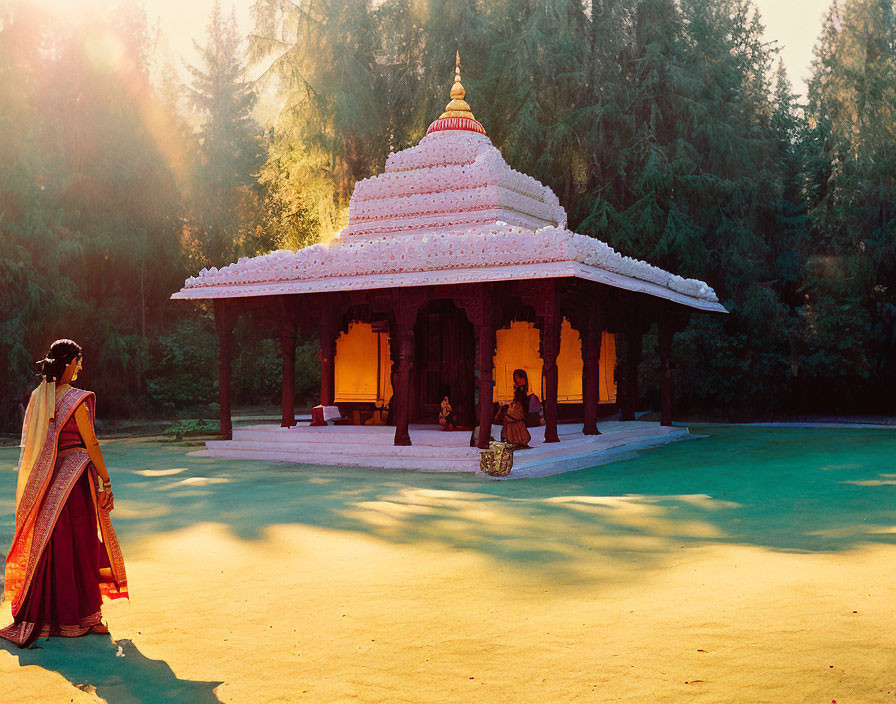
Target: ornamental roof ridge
390 259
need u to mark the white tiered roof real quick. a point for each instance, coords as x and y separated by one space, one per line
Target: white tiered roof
448 210
451 181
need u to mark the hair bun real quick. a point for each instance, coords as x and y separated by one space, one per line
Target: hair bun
61 354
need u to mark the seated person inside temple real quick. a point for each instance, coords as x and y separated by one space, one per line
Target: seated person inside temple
525 411
446 415
532 405
513 417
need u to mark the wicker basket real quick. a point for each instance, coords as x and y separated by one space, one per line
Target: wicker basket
497 460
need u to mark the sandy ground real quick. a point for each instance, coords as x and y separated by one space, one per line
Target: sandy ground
753 566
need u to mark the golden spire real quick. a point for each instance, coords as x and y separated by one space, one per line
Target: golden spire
458 106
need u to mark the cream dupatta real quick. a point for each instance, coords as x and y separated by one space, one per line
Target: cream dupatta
41 410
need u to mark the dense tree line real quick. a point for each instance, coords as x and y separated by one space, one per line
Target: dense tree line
667 128
109 199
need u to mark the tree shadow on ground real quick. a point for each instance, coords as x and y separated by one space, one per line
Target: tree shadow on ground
781 489
115 670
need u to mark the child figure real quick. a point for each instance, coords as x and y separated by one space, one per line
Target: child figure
446 417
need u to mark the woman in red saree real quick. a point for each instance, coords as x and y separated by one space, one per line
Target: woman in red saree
64 556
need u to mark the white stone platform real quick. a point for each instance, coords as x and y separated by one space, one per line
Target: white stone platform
435 450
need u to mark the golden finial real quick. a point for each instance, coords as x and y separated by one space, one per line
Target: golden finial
458 106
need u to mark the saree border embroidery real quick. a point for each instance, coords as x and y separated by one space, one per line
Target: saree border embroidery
19 633
113 581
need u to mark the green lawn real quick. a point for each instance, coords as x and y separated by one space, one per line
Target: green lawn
787 489
796 492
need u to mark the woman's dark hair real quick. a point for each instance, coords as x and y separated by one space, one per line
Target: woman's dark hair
525 377
61 354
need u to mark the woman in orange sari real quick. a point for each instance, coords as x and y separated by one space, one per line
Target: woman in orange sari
64 556
514 430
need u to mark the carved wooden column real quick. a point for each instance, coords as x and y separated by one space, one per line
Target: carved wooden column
635 344
550 348
328 334
407 305
287 328
485 333
224 320
628 403
665 333
591 339
542 296
623 398
405 340
479 304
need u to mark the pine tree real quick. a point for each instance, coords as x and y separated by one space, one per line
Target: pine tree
683 172
229 148
89 200
850 312
531 85
333 129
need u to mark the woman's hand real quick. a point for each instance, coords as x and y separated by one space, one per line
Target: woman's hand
106 500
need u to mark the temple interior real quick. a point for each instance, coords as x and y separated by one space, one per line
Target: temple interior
444 364
517 348
363 365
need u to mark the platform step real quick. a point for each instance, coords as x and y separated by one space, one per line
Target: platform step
595 448
569 447
434 450
340 449
348 435
444 464
615 453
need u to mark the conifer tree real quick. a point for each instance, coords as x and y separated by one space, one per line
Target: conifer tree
229 148
682 157
850 311
333 128
787 229
89 201
531 83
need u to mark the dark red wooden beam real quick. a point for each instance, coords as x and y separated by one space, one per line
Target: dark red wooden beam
224 320
404 334
328 334
629 396
665 333
407 305
550 349
287 329
485 332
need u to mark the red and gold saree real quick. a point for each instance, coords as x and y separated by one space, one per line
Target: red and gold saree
64 556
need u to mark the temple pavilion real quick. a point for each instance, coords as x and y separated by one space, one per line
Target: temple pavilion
453 271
